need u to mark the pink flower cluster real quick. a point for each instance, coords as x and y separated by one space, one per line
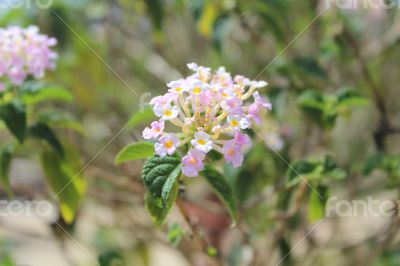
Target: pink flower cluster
24 52
208 110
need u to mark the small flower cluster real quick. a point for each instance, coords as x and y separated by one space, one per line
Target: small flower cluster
208 108
25 52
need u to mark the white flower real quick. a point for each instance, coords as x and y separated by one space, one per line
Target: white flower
167 145
192 66
177 86
238 122
202 142
197 87
166 112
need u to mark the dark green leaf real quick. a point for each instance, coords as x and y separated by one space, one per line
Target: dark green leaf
111 258
5 164
160 176
223 190
44 132
285 251
310 66
155 9
302 167
135 151
14 116
214 155
319 108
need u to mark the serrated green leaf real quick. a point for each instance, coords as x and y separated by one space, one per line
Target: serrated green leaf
135 151
223 190
14 116
160 176
63 178
44 132
145 116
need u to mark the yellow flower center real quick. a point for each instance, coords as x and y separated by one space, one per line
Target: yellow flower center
169 144
168 113
196 90
202 141
231 152
179 89
234 123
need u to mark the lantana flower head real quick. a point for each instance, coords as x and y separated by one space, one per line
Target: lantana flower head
25 52
209 111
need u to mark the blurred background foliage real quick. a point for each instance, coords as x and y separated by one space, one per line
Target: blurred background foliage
335 122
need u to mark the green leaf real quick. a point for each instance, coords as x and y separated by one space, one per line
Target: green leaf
35 92
304 169
63 176
208 17
311 99
214 155
156 209
285 251
5 164
318 107
311 66
44 132
312 169
373 162
14 116
135 151
223 190
348 97
60 119
145 116
111 258
160 176
175 234
316 204
155 10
